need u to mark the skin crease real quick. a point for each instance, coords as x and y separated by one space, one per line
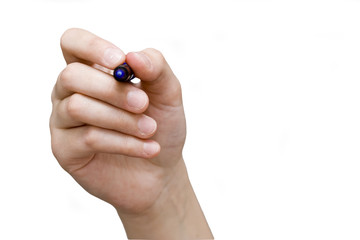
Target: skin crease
96 137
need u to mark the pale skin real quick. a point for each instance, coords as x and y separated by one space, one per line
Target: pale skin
123 142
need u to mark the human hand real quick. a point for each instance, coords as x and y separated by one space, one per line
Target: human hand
96 122
108 134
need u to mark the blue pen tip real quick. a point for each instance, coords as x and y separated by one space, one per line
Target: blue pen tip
123 73
119 73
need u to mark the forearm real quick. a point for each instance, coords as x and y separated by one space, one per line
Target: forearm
175 215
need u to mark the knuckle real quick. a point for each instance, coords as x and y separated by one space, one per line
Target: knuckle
66 78
74 105
57 148
91 136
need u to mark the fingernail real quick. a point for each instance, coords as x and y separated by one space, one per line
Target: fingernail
146 125
151 148
113 57
144 58
136 99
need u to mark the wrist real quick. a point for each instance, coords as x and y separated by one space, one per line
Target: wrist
176 214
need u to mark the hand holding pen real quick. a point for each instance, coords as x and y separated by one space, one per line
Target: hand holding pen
123 142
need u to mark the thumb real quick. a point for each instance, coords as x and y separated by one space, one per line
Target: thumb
157 78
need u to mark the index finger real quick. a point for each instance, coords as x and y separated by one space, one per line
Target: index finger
79 45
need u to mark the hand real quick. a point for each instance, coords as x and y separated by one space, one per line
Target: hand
121 142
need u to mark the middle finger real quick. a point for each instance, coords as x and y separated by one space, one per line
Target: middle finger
78 110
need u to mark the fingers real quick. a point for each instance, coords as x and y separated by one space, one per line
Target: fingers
83 142
158 80
80 78
79 45
78 110
149 65
94 113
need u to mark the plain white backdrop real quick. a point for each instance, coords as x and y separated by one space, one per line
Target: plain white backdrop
271 94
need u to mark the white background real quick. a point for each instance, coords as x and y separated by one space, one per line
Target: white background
271 93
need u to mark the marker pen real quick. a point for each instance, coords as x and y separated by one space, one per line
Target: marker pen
123 73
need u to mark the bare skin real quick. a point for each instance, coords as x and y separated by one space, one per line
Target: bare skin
123 142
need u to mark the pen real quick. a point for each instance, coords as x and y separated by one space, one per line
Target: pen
123 73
